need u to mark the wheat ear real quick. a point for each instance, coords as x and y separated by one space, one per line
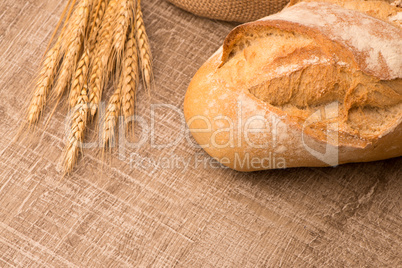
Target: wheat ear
76 137
44 83
99 73
124 18
80 78
111 117
81 74
143 47
96 19
74 40
130 75
48 71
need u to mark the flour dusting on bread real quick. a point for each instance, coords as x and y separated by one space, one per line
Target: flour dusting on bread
376 44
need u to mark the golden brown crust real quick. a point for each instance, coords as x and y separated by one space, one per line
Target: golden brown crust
313 103
357 32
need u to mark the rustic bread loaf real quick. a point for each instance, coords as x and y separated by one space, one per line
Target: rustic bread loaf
317 84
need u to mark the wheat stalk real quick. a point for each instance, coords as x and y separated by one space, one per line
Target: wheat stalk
97 36
130 76
144 48
99 72
111 117
74 39
76 137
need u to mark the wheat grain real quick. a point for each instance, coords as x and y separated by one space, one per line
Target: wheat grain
74 40
44 83
76 136
130 76
111 117
99 72
143 47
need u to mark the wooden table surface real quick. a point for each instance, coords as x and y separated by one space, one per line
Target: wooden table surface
129 210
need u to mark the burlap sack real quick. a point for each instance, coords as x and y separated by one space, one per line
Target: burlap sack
231 10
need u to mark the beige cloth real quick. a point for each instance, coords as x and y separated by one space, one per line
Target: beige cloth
231 10
121 215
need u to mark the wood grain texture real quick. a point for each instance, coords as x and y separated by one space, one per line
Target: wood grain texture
112 213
